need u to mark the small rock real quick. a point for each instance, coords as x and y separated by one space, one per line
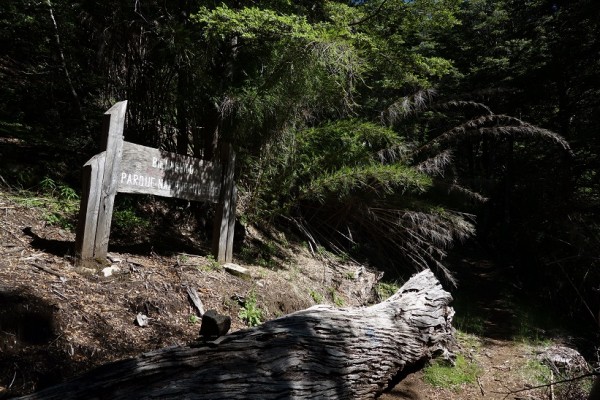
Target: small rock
109 271
141 319
114 258
235 269
214 324
564 359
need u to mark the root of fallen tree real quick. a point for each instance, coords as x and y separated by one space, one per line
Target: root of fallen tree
320 352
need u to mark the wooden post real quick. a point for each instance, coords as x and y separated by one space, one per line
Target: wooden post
131 168
231 226
93 174
100 172
113 139
224 222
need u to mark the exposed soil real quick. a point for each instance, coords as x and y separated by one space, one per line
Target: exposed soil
58 319
505 369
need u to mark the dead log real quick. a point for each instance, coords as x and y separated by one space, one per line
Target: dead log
320 352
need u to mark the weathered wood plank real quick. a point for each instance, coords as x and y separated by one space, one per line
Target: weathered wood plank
146 170
231 226
225 212
114 122
320 352
87 223
195 298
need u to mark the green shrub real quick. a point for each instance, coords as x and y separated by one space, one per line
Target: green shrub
337 300
211 265
126 220
386 289
250 313
316 296
59 202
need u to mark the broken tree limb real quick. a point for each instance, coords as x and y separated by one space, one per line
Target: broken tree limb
320 352
193 296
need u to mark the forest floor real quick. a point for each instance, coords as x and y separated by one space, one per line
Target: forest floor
58 319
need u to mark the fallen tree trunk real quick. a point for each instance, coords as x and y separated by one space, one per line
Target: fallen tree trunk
320 352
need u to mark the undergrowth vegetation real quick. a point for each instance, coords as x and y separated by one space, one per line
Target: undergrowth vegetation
59 202
442 374
373 191
250 312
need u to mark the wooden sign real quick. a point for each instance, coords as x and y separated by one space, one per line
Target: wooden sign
131 168
146 170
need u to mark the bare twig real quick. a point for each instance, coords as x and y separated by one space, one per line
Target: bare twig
480 387
4 181
15 249
46 269
576 378
59 294
551 385
62 57
13 378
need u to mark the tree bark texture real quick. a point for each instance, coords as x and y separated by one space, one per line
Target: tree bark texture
320 352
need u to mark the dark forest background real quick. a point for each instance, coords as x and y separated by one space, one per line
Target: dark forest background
400 132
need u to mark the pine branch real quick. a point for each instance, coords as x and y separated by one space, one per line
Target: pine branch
436 164
407 105
503 125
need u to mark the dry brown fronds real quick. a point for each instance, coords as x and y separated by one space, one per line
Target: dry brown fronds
406 106
462 104
397 153
470 194
437 164
496 125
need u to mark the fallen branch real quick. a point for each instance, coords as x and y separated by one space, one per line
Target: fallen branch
193 295
46 269
546 385
320 352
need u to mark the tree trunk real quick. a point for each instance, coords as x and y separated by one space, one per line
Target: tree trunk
320 352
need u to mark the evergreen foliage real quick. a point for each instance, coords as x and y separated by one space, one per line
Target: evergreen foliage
390 129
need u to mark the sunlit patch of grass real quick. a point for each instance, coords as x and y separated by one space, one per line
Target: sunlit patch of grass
442 374
59 202
536 373
386 289
468 341
316 296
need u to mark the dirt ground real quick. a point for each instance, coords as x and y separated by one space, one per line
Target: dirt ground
504 370
58 319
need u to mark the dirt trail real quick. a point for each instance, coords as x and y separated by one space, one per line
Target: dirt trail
505 349
505 367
